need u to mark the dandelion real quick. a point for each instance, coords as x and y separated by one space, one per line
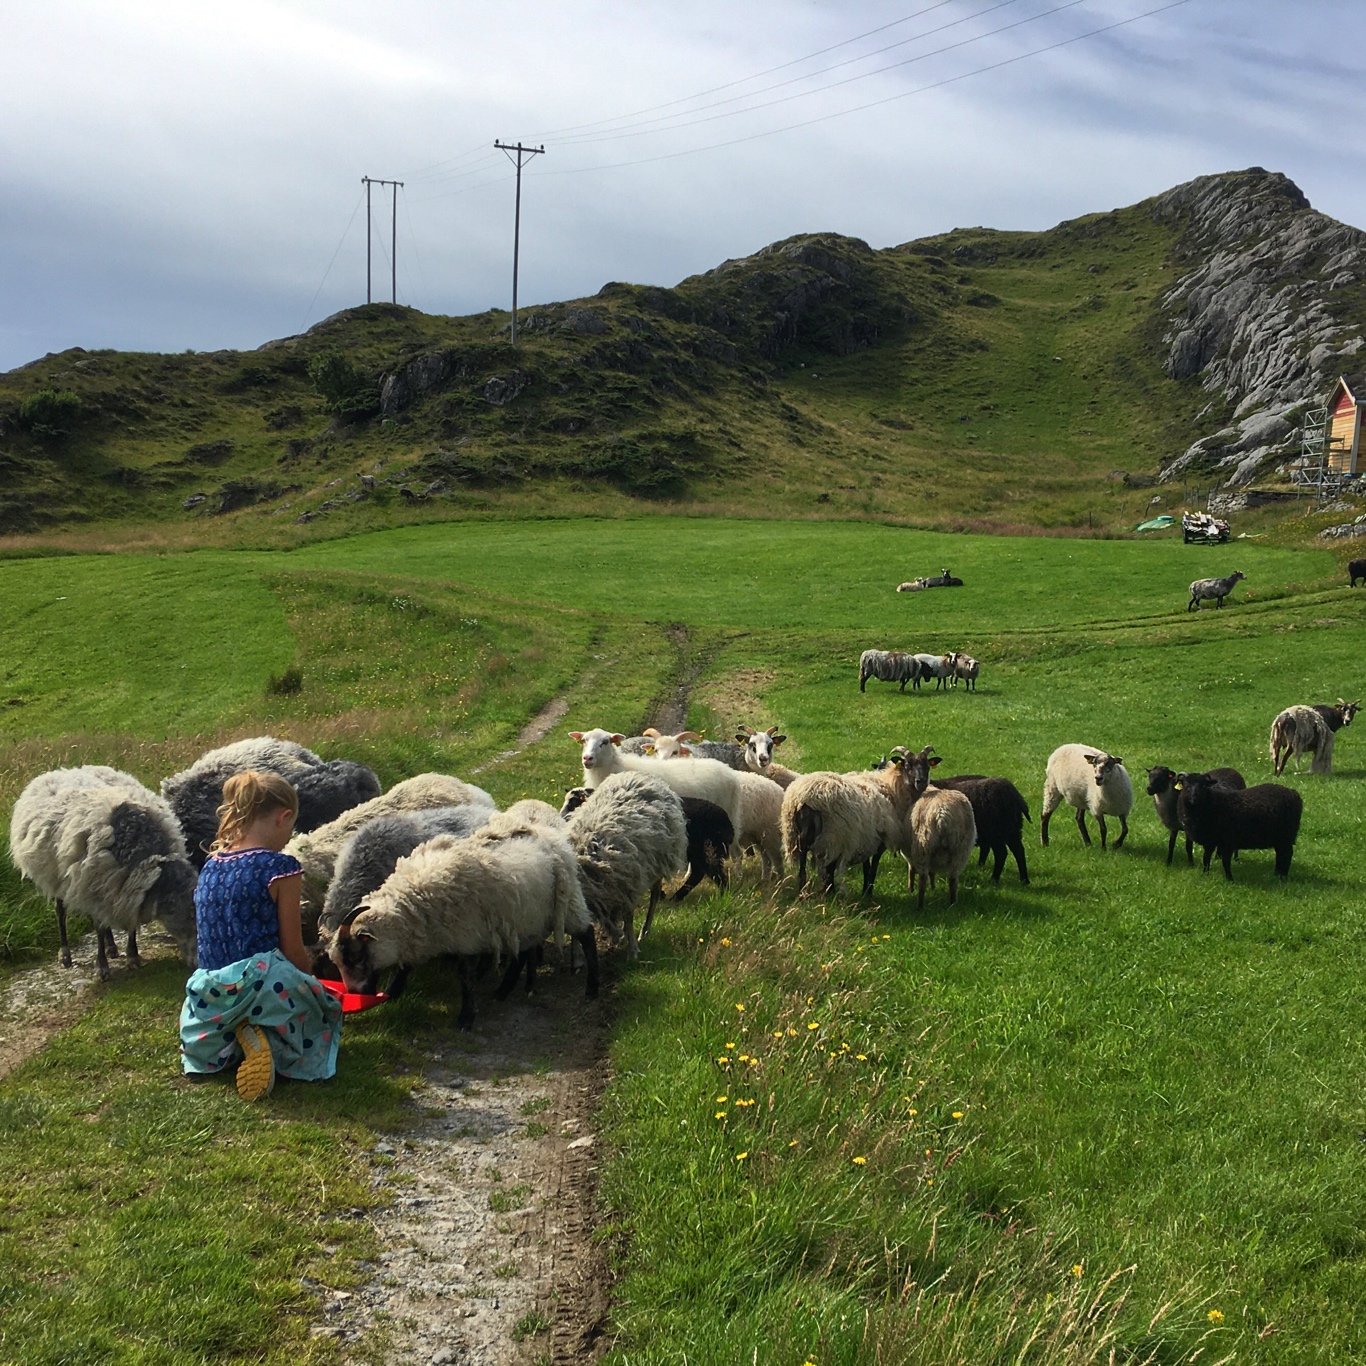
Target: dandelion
860 1161
791 1033
929 1180
740 1157
958 1114
730 1045
720 1114
777 1033
720 1100
862 1057
723 1060
1215 1316
886 936
725 943
914 1111
815 1024
1076 1270
739 1005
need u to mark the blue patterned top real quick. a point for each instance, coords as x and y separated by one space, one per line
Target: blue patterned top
235 914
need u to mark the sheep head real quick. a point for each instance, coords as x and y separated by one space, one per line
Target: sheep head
1160 780
1348 710
596 744
1103 765
759 746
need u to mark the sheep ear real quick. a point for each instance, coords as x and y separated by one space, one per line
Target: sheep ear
935 760
366 936
1119 763
777 739
617 739
741 738
684 752
649 749
1091 759
576 736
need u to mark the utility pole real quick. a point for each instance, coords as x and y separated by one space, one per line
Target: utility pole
521 157
367 181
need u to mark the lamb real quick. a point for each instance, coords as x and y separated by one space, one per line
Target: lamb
370 854
842 818
1221 818
705 778
965 667
913 586
943 833
890 666
759 746
1356 569
938 667
999 811
761 810
1218 589
1170 803
325 788
628 836
1090 780
317 850
97 842
1300 728
488 893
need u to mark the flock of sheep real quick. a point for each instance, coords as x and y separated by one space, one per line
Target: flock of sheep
432 868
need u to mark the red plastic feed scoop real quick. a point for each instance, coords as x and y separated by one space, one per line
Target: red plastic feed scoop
352 1001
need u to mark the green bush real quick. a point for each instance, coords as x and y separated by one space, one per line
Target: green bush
50 413
344 389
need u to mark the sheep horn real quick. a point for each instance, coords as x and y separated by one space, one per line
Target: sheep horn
650 730
687 735
349 917
748 730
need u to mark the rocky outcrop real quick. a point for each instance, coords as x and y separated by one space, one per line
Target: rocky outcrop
1253 315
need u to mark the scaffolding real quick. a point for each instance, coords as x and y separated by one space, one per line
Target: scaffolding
1312 472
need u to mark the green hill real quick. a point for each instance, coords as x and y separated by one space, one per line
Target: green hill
979 378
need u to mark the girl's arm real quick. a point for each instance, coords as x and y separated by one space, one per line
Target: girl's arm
287 892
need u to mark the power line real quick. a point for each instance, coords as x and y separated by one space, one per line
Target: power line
517 159
340 242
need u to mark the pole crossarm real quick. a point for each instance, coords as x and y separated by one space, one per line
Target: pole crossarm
519 156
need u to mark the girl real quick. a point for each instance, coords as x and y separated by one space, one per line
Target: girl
252 1001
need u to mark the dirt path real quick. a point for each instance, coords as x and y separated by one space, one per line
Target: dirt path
534 730
489 1258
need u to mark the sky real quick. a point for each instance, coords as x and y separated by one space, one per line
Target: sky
187 176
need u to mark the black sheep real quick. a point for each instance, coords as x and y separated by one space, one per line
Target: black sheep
1220 818
1356 569
1000 812
710 835
1171 806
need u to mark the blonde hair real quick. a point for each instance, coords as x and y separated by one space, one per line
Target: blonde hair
247 796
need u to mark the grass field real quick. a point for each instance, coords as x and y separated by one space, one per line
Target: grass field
1123 1106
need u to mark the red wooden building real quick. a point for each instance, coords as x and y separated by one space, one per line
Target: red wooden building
1344 424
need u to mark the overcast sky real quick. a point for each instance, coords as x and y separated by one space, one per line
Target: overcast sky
179 175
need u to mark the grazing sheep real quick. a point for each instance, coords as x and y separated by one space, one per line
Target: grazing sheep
1356 569
759 746
1218 589
489 893
838 819
1170 803
889 666
95 841
326 788
1226 820
761 828
371 853
317 850
999 810
939 667
628 836
965 667
943 833
706 778
1313 729
1090 780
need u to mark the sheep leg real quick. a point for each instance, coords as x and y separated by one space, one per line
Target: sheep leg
1209 849
632 943
101 959
534 958
1190 857
1123 831
716 866
400 980
910 877
465 1020
953 889
61 933
696 872
134 958
981 854
920 900
1226 858
110 946
588 942
801 868
515 966
1171 847
1017 848
1081 825
655 893
863 682
1100 820
1284 853
870 873
831 869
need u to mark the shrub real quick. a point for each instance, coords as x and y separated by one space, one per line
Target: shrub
286 684
344 389
50 413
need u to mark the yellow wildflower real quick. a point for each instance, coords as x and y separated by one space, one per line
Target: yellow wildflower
739 1005
860 1161
792 1033
720 1114
1077 1270
777 1033
740 1157
725 943
720 1100
958 1114
730 1045
793 1144
1215 1316
815 1024
862 1057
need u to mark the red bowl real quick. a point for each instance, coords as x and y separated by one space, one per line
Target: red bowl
352 1001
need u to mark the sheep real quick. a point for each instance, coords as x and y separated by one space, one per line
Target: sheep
759 746
369 855
965 667
686 744
1356 569
325 788
1224 819
317 850
705 778
999 811
939 667
889 666
1300 728
913 586
1171 806
488 893
1090 780
1218 589
842 818
628 836
761 809
943 833
95 841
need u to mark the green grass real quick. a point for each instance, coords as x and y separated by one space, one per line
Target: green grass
1156 1075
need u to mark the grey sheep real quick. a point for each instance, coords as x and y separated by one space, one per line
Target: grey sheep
1300 729
888 666
1218 589
943 833
326 788
370 855
95 841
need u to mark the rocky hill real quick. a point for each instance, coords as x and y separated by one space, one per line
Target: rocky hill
976 378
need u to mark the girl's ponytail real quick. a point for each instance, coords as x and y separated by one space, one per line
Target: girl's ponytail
245 797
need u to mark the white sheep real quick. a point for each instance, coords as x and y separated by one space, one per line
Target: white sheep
494 892
965 667
326 787
1089 780
628 836
705 778
938 667
318 850
839 819
761 821
95 841
758 754
943 833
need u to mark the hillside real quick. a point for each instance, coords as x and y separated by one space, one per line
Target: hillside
981 378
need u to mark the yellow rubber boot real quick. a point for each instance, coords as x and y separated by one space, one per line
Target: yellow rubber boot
256 1072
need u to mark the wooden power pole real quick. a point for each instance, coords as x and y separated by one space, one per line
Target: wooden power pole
367 181
519 156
